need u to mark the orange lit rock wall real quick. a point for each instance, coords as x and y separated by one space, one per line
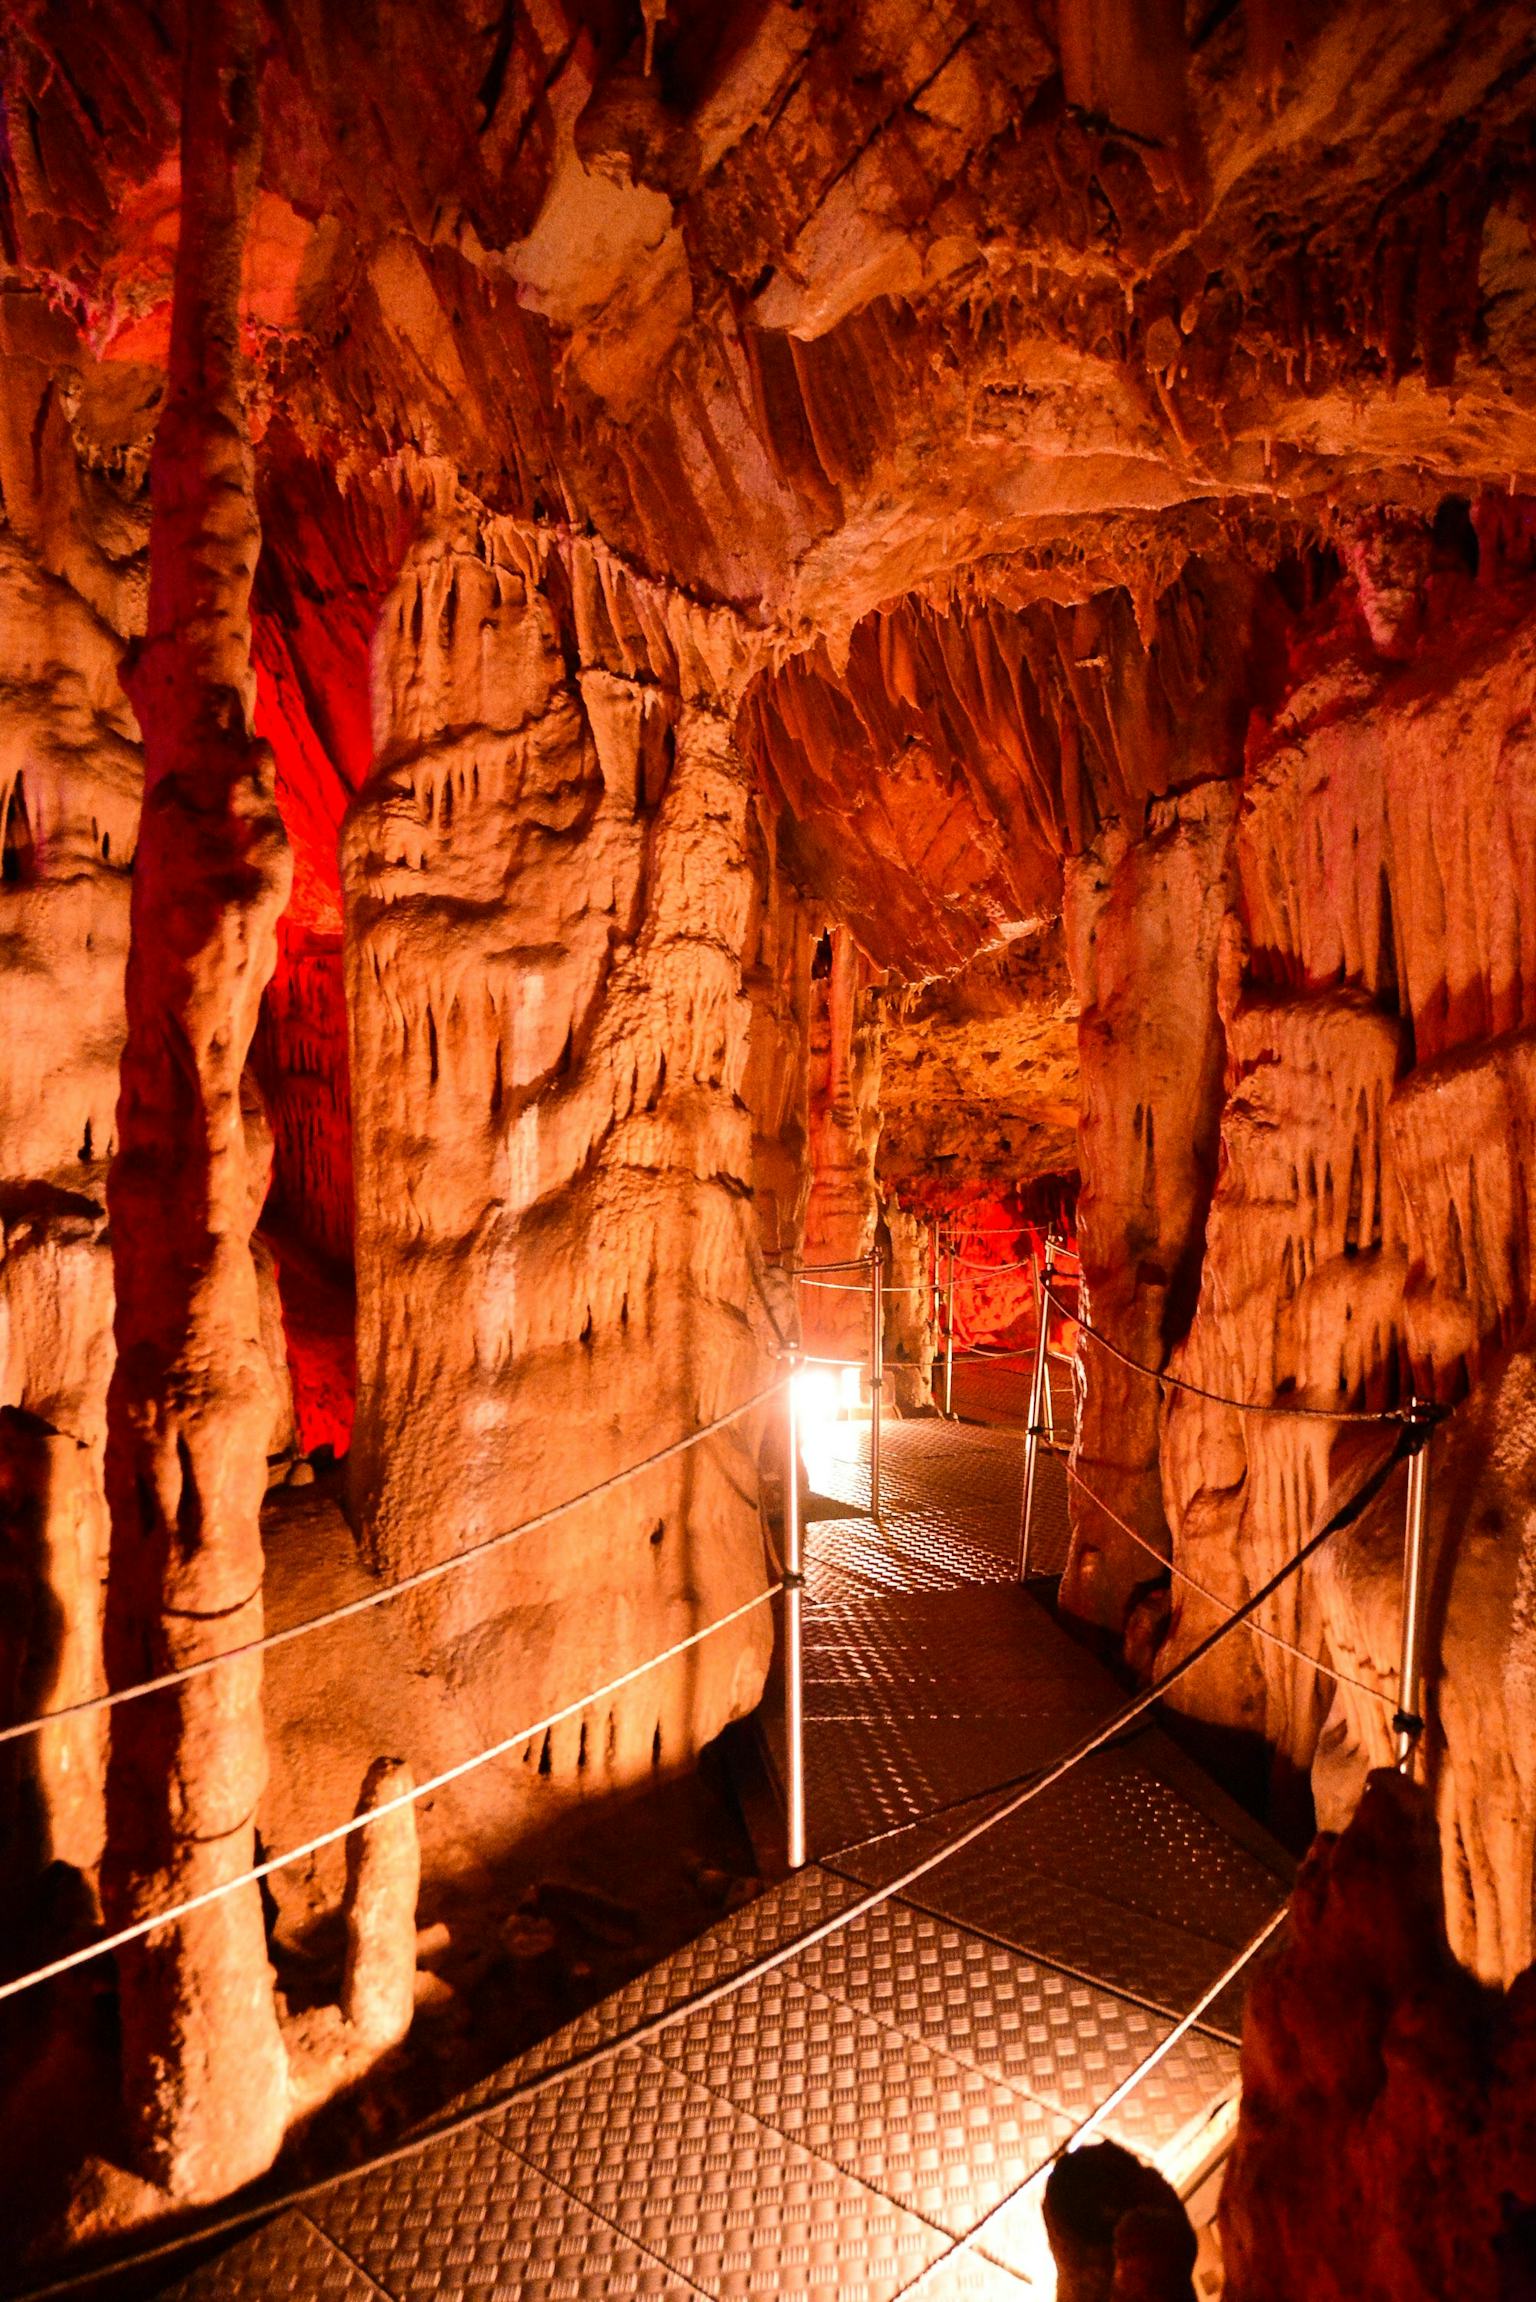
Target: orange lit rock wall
1369 1228
549 890
1144 931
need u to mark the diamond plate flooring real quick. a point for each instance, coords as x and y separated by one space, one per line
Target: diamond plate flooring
842 2090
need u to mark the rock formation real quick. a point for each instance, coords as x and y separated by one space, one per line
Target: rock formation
1117 2228
549 887
191 1405
1144 922
841 613
1386 2143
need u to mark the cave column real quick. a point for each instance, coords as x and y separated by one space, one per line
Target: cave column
843 1210
1145 919
191 1401
550 887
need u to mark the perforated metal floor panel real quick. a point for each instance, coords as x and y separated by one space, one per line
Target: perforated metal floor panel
934 2134
837 2125
935 1534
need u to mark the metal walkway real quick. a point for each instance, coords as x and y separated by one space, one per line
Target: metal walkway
834 2126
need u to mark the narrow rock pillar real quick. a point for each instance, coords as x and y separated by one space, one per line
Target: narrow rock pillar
843 1208
378 1989
191 1401
1144 927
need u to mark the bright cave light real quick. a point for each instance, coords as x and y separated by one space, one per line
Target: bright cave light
827 1402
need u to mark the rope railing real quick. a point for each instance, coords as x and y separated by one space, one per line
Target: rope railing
1017 1797
385 1592
1412 1430
1414 1425
1214 1598
1037 2175
1278 1407
153 1920
851 1287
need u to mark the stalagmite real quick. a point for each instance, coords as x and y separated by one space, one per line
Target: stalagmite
383 1875
191 1403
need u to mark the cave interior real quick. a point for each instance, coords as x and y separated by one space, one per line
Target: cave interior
649 647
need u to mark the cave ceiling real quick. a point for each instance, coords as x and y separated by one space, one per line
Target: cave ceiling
983 360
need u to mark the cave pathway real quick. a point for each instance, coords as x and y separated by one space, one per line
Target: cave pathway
833 2127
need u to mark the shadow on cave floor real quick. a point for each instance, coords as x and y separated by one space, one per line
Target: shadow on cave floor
507 1956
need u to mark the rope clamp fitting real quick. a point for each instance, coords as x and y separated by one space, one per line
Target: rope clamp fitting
1407 1723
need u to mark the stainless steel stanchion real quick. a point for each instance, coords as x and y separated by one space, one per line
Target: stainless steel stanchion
794 1658
949 1332
935 1301
876 1371
1036 1428
1050 1387
1409 1721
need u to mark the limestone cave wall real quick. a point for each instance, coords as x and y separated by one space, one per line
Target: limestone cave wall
1367 1235
549 888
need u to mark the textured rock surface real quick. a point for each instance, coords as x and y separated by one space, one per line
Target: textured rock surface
842 1213
71 780
191 1403
979 1072
1366 1233
1144 924
378 1985
549 890
1385 2146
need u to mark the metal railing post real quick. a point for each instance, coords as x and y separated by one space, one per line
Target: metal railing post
949 1331
935 1306
876 1371
1035 1431
794 1657
1050 1387
1409 1722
